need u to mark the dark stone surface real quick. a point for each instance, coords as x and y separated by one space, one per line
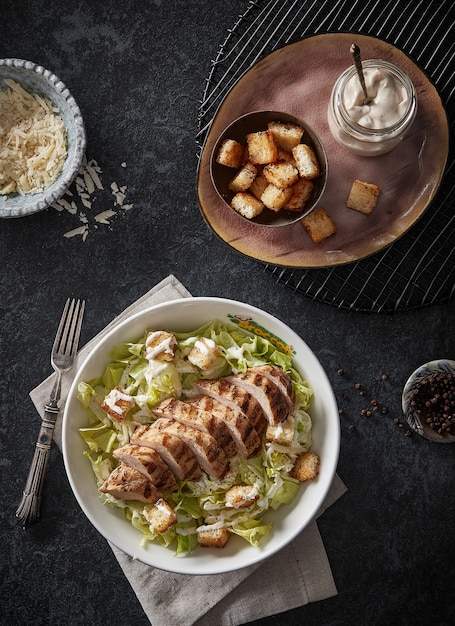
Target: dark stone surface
137 71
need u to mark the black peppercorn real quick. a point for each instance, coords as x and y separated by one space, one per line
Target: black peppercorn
433 400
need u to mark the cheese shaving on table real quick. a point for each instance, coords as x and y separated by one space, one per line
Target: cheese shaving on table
33 141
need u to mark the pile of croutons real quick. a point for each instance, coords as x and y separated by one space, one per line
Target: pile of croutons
274 170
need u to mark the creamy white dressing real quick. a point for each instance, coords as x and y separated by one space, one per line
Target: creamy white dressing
166 345
205 345
115 396
389 99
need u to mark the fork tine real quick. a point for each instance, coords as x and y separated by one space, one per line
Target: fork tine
67 337
78 326
60 330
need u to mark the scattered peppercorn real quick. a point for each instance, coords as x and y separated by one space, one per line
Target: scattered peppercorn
358 386
340 371
384 376
433 399
340 411
352 428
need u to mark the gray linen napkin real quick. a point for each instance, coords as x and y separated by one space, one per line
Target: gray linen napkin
226 599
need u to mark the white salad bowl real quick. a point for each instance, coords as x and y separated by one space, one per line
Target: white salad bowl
288 521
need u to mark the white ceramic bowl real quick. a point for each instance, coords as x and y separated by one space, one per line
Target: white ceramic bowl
288 521
36 79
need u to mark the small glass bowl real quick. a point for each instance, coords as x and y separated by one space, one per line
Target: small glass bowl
359 139
413 383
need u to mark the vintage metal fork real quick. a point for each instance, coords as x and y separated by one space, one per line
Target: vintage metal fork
62 358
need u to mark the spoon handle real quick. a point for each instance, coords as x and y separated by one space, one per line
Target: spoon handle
355 51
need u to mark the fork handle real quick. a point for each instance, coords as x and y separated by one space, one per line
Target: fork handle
28 511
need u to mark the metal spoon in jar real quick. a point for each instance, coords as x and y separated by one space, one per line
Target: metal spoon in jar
355 51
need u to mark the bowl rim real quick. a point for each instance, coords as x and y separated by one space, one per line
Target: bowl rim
216 564
315 141
58 188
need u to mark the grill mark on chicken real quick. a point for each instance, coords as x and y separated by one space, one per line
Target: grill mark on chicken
149 463
236 398
173 450
266 393
245 436
127 483
205 448
192 415
281 380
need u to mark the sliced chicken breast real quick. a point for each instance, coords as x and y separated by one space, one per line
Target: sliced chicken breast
149 463
281 380
205 448
236 398
266 392
192 415
173 450
245 436
127 483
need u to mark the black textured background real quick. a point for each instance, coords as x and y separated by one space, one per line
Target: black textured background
137 71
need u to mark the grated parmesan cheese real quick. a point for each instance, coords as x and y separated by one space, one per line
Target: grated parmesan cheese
33 141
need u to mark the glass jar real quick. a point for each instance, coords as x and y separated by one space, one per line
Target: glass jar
372 130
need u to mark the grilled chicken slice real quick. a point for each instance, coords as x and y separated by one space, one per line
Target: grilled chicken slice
236 398
192 415
127 483
266 392
245 436
149 463
281 380
173 450
205 448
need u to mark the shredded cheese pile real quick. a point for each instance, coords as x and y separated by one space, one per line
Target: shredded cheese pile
33 142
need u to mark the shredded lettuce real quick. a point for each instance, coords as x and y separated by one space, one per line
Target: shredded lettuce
196 503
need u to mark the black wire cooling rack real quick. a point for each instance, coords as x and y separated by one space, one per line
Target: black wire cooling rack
418 269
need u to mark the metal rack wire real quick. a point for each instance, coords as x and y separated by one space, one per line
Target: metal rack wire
419 268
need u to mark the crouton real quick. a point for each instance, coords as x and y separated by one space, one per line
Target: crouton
241 496
160 516
262 148
301 192
117 403
306 467
306 161
213 538
282 433
204 353
363 197
284 155
258 186
319 225
286 136
243 178
160 345
274 198
282 175
246 204
231 153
